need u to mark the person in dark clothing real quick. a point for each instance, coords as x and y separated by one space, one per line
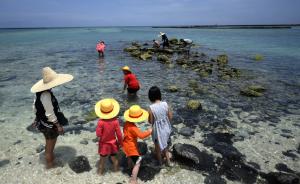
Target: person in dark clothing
164 39
47 110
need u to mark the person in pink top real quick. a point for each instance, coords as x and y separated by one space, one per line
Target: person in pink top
100 48
108 131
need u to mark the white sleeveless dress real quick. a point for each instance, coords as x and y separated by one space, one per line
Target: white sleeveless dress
161 126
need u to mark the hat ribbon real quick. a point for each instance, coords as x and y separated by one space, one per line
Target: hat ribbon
107 112
136 116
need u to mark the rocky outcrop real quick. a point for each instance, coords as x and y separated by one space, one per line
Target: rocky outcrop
163 58
186 131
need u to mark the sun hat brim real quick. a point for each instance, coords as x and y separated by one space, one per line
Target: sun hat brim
110 115
60 79
136 120
126 69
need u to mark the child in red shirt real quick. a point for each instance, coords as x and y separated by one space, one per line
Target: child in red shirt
107 130
130 81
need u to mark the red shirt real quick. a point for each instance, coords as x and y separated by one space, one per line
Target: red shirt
108 130
131 81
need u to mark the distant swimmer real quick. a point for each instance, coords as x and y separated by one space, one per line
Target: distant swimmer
101 48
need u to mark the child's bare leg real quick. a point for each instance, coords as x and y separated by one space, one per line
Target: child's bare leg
101 165
167 155
158 153
115 163
135 171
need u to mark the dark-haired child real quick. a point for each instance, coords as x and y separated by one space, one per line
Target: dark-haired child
160 116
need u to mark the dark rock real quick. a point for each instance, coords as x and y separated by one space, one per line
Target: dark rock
287 136
289 153
95 139
173 41
186 131
237 170
145 56
230 123
214 138
284 168
40 148
298 150
143 149
17 142
286 131
80 164
255 165
192 157
282 178
147 172
228 151
4 162
84 142
214 179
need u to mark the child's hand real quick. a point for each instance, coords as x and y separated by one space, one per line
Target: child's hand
150 129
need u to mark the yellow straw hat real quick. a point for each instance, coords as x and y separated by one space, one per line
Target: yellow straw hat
50 80
126 68
107 108
136 114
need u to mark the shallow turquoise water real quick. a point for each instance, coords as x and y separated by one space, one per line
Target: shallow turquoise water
24 52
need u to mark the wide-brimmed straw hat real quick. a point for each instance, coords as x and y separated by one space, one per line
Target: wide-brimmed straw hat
161 33
136 114
50 80
126 68
107 108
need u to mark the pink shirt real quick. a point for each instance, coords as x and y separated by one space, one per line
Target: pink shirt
108 130
100 47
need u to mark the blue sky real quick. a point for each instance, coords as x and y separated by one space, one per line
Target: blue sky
52 13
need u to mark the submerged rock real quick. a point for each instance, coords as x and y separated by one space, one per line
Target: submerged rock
194 105
191 156
91 116
131 49
258 57
135 53
80 164
186 131
172 88
145 56
252 91
173 41
282 178
163 58
222 59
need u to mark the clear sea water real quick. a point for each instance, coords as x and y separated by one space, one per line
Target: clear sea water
24 52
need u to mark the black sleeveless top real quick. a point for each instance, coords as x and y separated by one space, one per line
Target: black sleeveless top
40 111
